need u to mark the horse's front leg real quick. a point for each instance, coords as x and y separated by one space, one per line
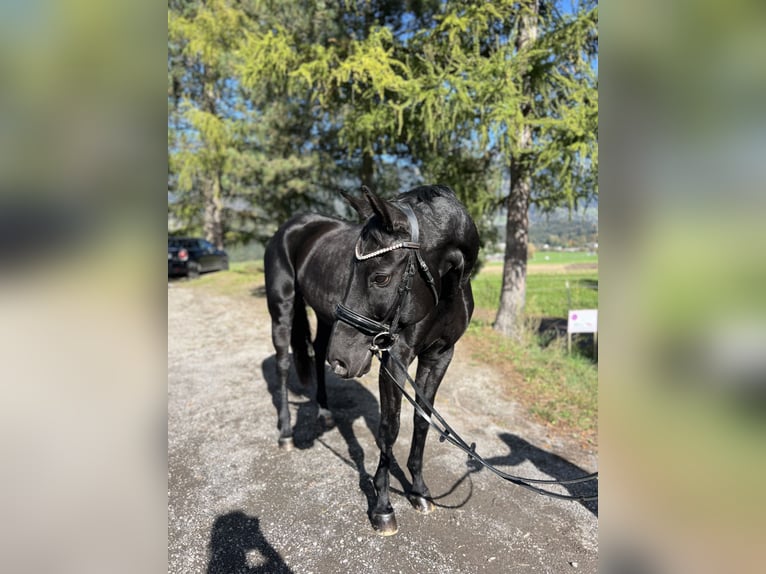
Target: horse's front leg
431 370
382 516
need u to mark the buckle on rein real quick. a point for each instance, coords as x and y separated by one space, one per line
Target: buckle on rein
382 342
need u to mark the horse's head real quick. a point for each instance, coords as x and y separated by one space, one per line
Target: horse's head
390 286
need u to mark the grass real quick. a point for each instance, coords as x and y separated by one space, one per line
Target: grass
553 257
241 279
548 295
557 388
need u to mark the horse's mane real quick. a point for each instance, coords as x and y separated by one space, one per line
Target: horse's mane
427 193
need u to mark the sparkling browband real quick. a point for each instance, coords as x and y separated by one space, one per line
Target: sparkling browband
395 246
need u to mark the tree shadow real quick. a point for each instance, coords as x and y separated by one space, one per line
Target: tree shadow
258 291
588 283
551 330
548 463
237 546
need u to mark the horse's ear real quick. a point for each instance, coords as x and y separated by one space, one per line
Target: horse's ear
359 205
454 261
382 209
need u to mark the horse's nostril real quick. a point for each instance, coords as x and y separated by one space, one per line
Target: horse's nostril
339 368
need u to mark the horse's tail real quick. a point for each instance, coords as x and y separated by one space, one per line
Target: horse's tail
300 341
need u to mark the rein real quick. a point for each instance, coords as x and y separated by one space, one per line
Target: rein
446 432
384 335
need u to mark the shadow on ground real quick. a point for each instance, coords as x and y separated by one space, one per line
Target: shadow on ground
237 546
551 464
348 400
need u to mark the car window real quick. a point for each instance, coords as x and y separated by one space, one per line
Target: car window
185 243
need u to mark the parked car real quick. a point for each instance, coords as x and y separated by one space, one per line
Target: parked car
190 256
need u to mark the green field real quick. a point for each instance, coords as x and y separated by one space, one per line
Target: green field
544 257
554 257
548 295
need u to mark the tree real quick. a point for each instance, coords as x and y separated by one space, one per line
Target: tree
313 97
555 152
203 135
523 73
513 81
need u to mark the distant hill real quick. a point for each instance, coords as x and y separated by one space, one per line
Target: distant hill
559 228
562 229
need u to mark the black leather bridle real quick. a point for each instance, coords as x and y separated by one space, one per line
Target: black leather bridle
384 335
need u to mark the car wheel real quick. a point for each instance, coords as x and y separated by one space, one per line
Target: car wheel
192 271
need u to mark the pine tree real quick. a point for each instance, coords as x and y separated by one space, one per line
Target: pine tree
203 135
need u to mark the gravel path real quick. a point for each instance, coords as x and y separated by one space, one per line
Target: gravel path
237 504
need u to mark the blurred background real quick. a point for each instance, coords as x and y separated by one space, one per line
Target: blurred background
82 391
682 378
682 359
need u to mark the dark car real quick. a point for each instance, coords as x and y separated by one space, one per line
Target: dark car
190 256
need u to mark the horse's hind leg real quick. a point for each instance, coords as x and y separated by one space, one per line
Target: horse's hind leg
320 355
280 292
280 335
431 371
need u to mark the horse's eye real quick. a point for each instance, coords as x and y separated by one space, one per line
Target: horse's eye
381 280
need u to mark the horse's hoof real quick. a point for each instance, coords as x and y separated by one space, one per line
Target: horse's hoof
421 503
286 443
326 419
385 524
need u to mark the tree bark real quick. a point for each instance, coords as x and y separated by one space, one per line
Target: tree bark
514 289
368 169
213 215
213 223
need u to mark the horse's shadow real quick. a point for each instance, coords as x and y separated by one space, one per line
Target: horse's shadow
348 400
237 546
549 463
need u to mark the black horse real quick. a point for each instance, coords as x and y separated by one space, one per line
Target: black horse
397 283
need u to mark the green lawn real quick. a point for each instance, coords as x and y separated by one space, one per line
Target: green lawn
548 295
554 257
544 257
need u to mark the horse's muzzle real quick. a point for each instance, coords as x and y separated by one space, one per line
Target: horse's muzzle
349 353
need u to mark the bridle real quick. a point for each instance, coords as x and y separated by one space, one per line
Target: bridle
384 335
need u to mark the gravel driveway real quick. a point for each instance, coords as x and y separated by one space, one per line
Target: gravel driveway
237 504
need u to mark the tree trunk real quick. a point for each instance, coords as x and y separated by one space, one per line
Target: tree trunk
368 169
213 224
514 290
213 217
